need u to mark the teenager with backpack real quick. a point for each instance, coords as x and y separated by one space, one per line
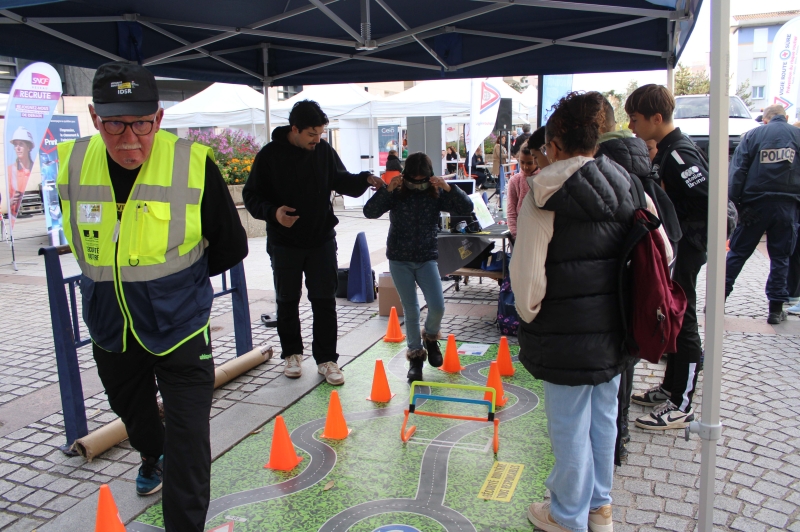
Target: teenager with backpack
414 201
571 233
683 172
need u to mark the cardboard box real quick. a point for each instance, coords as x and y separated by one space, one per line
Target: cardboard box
388 296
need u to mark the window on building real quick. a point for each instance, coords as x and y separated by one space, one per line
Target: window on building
287 91
760 39
8 73
758 92
759 64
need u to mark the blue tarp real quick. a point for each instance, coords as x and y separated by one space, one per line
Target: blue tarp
457 42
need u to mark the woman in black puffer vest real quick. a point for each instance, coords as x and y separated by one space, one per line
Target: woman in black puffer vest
570 234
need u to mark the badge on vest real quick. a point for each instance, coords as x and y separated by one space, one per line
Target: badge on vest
90 213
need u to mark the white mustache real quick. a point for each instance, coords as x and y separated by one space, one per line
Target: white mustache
135 146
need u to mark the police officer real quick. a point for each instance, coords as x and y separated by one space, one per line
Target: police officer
765 186
149 219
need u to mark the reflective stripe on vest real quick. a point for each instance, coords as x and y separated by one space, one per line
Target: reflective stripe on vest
159 235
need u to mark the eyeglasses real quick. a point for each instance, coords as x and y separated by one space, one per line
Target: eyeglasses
543 149
117 127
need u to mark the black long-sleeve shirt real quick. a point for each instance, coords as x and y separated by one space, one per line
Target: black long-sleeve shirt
283 174
222 228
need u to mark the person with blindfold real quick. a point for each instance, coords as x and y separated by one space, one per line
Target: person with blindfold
414 201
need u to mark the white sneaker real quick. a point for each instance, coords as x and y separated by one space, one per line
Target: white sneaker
293 366
332 373
600 520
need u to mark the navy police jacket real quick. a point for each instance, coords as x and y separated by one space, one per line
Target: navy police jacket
765 164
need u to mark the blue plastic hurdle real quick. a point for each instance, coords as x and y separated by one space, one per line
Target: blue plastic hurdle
67 337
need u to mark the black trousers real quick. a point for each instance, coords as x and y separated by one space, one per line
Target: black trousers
319 265
680 377
185 379
777 218
793 279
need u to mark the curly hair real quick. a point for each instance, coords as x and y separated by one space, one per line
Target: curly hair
576 121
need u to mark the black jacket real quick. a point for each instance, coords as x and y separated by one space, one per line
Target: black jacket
413 218
577 337
683 169
283 174
631 154
765 164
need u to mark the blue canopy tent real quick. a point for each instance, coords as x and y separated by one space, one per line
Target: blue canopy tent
344 41
307 42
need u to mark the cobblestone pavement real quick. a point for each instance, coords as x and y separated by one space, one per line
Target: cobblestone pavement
37 481
758 464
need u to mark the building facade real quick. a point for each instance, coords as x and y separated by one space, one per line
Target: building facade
751 52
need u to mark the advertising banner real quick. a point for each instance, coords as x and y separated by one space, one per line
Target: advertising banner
784 83
554 88
33 99
485 102
388 139
62 128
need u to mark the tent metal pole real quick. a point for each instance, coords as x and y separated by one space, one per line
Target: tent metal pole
359 57
339 22
595 8
439 23
709 427
405 26
670 77
265 60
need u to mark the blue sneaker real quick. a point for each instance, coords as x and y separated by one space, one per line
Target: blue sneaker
794 310
150 476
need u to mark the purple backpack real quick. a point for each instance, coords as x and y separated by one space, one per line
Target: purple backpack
507 317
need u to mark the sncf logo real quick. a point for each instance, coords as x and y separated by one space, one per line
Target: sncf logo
40 79
777 155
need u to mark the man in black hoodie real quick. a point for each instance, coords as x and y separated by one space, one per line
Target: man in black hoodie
290 187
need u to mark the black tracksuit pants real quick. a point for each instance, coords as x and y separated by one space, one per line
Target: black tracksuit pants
185 379
320 267
680 377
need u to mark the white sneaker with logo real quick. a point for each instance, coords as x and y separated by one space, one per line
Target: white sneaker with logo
665 417
293 366
332 373
652 397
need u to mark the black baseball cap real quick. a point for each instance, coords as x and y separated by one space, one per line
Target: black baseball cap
124 89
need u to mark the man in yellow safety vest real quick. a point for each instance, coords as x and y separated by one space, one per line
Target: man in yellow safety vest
149 220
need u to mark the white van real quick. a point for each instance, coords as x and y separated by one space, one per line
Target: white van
692 116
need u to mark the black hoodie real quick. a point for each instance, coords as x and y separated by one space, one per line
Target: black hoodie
284 174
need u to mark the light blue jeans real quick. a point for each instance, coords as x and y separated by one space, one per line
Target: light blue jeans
582 422
406 277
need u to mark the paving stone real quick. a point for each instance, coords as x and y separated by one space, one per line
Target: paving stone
747 525
61 503
768 488
23 525
670 522
772 518
18 493
38 498
638 517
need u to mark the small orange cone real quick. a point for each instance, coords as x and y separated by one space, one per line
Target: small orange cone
393 332
108 519
504 363
282 455
380 385
451 362
494 381
335 425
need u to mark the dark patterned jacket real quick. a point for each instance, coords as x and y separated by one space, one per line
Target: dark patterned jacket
413 218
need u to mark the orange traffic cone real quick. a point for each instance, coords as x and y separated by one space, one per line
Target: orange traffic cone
451 362
108 519
335 425
380 385
393 332
504 363
282 455
494 381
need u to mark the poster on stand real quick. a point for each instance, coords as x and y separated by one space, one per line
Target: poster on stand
62 128
784 84
388 139
33 99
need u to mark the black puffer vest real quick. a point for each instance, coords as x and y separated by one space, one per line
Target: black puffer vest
577 337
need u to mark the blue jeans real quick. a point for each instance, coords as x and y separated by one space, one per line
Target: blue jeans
582 423
406 277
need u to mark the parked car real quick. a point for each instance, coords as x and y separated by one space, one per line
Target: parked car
692 116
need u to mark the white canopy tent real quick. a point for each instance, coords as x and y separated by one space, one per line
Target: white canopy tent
338 101
221 104
447 98
3 104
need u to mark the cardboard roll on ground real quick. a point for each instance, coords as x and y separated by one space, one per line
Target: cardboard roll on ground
104 438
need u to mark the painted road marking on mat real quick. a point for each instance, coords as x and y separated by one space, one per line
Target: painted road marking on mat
501 482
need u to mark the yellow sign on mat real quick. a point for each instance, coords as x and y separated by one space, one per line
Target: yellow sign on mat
501 482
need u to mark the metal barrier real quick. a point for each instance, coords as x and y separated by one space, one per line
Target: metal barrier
67 336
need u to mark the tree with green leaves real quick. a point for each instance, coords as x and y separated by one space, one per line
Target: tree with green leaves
743 92
690 82
617 101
